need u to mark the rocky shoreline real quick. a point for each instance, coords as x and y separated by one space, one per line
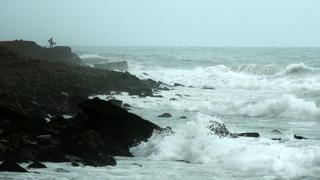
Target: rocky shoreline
41 85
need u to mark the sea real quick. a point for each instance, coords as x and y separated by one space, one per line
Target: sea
272 91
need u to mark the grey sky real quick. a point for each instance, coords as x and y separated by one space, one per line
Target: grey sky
163 22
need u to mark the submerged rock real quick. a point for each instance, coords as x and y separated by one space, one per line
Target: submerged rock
105 161
11 167
177 84
183 117
36 164
75 164
275 131
249 134
165 115
299 137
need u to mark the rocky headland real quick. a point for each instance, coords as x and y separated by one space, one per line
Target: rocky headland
40 85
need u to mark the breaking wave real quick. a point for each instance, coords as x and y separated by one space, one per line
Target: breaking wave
192 143
284 106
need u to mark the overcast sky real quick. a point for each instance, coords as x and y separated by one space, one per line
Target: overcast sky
163 22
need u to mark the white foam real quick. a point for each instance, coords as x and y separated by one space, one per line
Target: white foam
192 142
91 56
285 106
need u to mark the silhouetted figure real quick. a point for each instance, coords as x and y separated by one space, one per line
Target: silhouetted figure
51 42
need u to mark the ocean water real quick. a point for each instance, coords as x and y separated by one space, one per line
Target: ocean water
248 89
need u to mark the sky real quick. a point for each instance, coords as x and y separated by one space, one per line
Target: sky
235 23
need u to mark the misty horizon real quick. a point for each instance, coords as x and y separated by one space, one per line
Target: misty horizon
209 23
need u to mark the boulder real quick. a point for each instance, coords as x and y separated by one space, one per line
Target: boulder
177 84
248 134
103 161
11 167
299 137
218 128
115 102
122 66
165 115
117 123
37 165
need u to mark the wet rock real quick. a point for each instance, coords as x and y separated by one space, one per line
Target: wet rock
276 139
208 87
36 164
103 161
107 129
125 105
11 167
158 96
299 137
165 115
248 134
179 95
115 102
32 50
173 99
177 84
184 161
183 117
218 128
164 88
75 164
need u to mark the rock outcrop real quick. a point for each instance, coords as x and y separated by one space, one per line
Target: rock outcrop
100 131
32 50
42 87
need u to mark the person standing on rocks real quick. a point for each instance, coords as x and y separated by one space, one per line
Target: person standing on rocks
51 42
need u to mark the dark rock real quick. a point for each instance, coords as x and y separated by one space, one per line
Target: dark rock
164 88
115 102
218 128
43 86
172 99
32 50
11 167
184 161
177 84
104 129
105 161
165 115
299 137
276 139
248 134
158 96
36 164
75 164
122 66
183 117
179 95
125 105
207 87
